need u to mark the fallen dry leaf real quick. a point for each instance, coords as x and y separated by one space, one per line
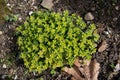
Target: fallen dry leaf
73 78
103 46
73 72
87 71
94 69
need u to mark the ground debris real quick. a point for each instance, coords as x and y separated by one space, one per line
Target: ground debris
87 71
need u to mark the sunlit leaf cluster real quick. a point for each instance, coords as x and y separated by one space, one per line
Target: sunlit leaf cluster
51 40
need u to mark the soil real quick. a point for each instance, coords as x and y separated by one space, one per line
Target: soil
106 17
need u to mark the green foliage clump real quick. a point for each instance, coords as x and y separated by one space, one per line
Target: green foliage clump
51 40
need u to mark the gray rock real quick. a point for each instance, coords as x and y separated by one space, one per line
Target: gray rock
47 4
89 16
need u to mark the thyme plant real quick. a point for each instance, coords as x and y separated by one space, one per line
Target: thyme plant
51 40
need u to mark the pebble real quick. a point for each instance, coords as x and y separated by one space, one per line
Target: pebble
115 19
8 4
20 19
35 7
1 32
4 66
11 38
3 44
117 7
9 27
117 68
47 4
2 51
89 16
15 77
109 30
30 12
106 32
93 8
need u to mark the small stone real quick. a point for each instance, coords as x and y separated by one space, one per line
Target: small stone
117 68
117 7
9 27
4 66
115 19
60 76
8 4
113 4
15 77
47 4
1 32
8 38
109 30
35 7
30 12
3 43
89 16
106 32
34 73
20 19
93 8
2 51
11 38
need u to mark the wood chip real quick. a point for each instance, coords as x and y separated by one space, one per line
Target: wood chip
103 46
